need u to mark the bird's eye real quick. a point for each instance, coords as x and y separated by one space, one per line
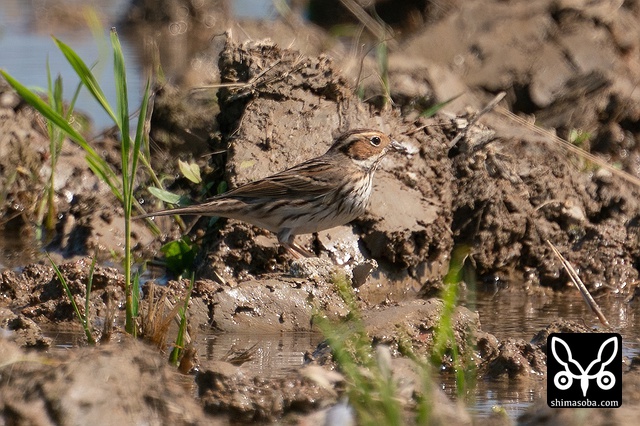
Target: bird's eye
375 141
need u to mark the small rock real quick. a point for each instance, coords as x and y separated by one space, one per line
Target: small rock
312 268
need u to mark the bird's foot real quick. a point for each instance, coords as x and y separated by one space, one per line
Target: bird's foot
297 251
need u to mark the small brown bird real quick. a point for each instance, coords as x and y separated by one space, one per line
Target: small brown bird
319 194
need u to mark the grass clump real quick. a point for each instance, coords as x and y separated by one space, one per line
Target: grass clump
83 318
445 344
134 150
121 186
46 215
370 388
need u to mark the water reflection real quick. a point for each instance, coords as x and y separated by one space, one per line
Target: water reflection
516 315
269 355
26 46
513 314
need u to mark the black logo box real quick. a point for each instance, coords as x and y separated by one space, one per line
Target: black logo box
585 368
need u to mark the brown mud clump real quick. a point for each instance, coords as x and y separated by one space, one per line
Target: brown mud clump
70 387
283 108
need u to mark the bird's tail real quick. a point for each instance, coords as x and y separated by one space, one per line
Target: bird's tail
214 208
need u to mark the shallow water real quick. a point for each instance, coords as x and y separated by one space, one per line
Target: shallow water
513 315
26 46
269 355
505 314
508 314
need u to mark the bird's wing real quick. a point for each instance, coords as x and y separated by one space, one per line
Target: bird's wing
314 178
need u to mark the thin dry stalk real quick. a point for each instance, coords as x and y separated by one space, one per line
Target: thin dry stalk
255 82
489 107
580 286
567 146
379 30
154 324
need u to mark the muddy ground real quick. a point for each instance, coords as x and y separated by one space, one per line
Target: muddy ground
503 190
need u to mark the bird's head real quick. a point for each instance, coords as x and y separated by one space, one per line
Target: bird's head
364 147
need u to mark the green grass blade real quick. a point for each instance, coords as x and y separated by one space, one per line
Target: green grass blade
97 31
430 112
136 295
141 133
72 103
50 96
65 285
58 103
128 175
178 349
43 108
132 307
86 76
122 103
50 114
141 130
444 337
92 268
47 202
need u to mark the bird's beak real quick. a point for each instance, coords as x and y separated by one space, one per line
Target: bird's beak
397 146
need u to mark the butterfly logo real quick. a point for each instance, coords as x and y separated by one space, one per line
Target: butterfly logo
564 379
